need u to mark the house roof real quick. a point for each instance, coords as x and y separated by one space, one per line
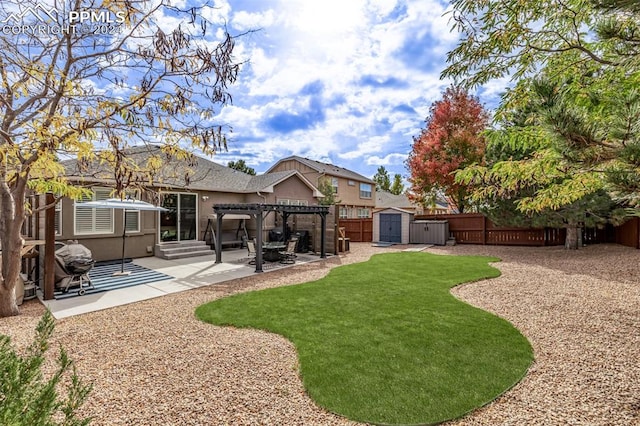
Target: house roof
386 199
326 168
206 175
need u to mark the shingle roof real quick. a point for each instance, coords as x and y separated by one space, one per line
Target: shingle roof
256 183
386 199
329 169
207 175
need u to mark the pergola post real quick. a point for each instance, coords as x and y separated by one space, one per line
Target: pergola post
49 248
219 237
259 242
323 230
285 217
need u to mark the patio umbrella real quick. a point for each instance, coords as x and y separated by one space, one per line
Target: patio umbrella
127 204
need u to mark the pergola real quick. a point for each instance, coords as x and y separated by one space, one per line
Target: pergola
259 212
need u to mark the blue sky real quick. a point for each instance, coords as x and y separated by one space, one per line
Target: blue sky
348 82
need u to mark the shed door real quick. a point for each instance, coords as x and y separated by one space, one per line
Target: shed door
391 228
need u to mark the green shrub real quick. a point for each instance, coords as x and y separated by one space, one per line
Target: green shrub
26 397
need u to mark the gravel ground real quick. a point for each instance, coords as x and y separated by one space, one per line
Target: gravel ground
154 363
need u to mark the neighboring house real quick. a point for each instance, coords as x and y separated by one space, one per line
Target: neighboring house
440 207
386 200
190 205
356 193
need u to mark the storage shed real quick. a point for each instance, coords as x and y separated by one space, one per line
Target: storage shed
391 225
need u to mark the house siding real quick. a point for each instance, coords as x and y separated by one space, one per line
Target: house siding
109 246
348 195
215 184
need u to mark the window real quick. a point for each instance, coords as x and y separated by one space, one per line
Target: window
57 222
351 183
287 202
334 184
363 213
343 213
365 190
94 221
132 217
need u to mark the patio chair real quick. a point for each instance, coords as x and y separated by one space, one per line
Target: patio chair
251 248
288 256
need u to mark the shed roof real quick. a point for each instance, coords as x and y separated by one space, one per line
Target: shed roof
399 210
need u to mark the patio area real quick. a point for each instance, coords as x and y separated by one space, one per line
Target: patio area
147 280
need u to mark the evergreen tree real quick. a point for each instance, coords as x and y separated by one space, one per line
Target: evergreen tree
241 166
397 187
382 180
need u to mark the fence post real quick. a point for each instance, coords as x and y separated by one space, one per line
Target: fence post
484 230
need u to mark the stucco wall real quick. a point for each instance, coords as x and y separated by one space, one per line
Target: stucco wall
109 246
349 195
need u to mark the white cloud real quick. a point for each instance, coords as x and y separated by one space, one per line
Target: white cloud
219 13
337 43
375 144
387 160
244 21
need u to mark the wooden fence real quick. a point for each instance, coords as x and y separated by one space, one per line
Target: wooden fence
628 234
477 229
357 230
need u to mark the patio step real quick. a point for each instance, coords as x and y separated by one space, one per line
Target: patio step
182 250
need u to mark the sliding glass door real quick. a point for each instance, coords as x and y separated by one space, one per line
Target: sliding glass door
179 223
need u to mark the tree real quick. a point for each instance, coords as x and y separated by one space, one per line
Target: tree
539 166
329 199
69 92
586 106
241 166
397 187
451 140
513 38
382 180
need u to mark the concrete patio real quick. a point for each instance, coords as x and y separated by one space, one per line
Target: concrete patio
186 274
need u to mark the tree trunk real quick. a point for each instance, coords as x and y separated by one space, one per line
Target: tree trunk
571 241
11 265
8 306
11 220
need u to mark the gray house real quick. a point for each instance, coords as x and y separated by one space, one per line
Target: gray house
189 202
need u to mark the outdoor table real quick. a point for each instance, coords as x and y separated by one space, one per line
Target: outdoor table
272 250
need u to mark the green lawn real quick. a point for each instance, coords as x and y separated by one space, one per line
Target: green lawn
384 341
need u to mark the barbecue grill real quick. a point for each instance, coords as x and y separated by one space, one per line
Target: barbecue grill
73 263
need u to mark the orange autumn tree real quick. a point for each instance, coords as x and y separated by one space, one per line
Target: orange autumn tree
451 140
